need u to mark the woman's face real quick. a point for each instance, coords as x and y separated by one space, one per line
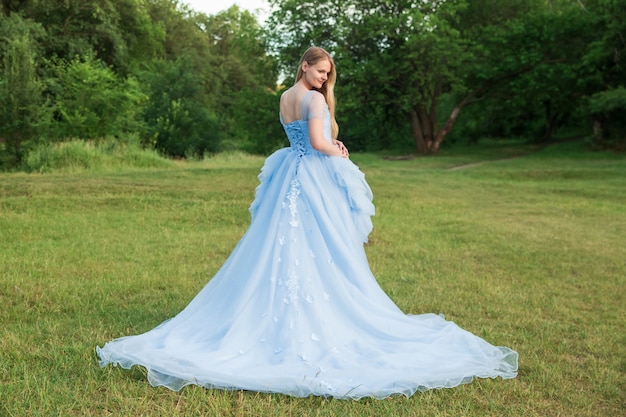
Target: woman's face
315 76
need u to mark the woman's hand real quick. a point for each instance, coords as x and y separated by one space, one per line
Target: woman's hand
344 151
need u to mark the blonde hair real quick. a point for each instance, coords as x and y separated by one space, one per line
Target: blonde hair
312 56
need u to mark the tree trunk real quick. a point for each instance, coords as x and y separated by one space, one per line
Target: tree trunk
418 134
427 125
425 134
447 127
551 118
423 129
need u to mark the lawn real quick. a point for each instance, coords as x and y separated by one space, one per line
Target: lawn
523 246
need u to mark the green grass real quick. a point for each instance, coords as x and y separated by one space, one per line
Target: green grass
107 154
528 252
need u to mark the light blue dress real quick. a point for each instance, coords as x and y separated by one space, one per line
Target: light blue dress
295 309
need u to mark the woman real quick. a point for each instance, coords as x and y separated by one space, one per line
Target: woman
295 309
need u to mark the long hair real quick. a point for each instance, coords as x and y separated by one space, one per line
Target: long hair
312 56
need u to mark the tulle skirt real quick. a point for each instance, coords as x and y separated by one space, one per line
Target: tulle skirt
296 310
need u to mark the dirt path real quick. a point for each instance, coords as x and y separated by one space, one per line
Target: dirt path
455 168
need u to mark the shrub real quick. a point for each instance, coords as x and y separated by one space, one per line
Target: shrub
23 112
179 121
91 101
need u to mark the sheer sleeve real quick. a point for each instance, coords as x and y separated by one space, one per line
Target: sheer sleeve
313 106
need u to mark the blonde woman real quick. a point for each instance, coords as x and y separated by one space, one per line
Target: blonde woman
295 309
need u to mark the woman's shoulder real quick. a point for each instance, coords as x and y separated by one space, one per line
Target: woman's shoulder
286 94
315 93
296 104
314 97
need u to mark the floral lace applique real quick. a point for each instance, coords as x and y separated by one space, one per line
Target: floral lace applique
292 197
292 288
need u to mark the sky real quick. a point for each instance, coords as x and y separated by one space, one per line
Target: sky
214 6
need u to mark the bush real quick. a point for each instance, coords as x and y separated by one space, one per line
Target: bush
91 101
179 121
23 111
257 125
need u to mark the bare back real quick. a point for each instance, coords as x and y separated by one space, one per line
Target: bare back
291 103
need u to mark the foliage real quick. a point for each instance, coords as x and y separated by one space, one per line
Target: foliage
411 68
153 69
242 71
606 78
609 111
608 101
91 101
23 111
258 127
179 121
541 91
235 34
411 72
117 32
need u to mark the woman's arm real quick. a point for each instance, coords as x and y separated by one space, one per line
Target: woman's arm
315 116
320 143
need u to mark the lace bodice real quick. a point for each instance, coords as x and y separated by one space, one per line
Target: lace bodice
298 130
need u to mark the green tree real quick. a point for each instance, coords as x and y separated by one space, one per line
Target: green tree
77 28
236 35
398 60
180 30
90 101
242 73
606 80
540 88
120 33
7 7
22 106
257 126
180 123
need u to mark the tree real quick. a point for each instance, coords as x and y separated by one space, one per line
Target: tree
90 101
258 130
606 81
22 106
236 34
541 82
400 59
180 122
402 56
245 74
7 7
